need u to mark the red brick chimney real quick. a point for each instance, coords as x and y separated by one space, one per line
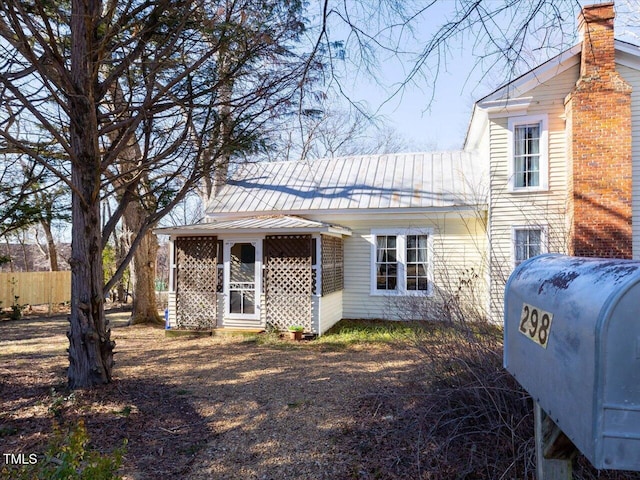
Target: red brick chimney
598 114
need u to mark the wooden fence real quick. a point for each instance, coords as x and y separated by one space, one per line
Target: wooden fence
35 288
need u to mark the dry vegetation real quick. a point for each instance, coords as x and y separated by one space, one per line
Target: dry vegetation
371 401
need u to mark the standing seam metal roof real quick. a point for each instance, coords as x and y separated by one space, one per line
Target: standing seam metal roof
407 180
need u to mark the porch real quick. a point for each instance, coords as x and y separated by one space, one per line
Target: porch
256 273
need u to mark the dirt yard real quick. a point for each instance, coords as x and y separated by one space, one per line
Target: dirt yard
201 408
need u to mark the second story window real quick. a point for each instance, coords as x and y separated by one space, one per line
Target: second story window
527 154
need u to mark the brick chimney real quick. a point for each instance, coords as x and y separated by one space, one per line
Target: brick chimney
598 113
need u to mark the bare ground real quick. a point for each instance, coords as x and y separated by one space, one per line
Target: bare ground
201 408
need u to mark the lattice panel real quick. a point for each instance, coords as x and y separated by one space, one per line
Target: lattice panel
332 264
288 281
196 282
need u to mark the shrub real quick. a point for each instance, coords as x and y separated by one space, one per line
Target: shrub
68 457
461 416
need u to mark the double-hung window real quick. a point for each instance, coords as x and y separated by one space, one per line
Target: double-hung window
528 152
401 262
527 242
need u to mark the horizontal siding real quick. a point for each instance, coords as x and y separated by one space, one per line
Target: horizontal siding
633 78
316 326
330 311
547 209
171 305
459 244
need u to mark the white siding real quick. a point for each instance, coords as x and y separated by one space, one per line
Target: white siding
545 209
459 244
632 76
329 309
224 321
171 305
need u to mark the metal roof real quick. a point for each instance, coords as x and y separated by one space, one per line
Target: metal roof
262 224
404 180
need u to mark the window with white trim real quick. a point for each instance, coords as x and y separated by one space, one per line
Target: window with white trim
527 242
528 149
401 262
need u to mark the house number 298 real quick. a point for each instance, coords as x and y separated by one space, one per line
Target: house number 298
535 324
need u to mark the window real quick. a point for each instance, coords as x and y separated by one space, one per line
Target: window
527 243
528 164
242 279
400 262
527 155
386 262
417 262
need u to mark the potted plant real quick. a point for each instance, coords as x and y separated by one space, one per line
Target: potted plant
295 332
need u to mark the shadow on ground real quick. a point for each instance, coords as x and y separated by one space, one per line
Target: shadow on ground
199 407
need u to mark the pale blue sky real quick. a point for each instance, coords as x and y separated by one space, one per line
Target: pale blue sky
436 116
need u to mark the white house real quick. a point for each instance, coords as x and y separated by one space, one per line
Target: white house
562 144
313 242
550 163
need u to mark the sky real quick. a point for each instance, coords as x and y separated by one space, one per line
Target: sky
435 115
430 116
429 120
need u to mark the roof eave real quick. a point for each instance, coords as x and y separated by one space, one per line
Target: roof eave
480 205
515 89
512 93
208 229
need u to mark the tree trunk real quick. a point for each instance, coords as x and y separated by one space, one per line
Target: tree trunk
52 251
9 254
143 266
120 248
143 270
25 256
90 347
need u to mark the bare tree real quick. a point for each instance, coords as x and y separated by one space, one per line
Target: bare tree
328 132
61 63
51 199
17 183
419 38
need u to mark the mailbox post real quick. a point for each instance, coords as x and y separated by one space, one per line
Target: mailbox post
572 340
554 453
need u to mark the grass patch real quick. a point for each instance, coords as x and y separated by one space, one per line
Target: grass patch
347 333
124 411
353 332
350 332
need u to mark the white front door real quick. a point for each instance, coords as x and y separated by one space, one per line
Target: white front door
242 279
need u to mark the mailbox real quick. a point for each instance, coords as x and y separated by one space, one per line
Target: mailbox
572 340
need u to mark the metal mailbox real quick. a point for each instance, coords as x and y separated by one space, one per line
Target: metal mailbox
572 340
